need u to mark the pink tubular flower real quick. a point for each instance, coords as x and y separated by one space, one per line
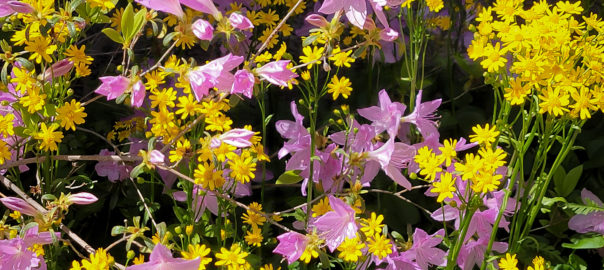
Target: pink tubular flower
277 73
58 69
17 204
592 222
291 245
237 137
386 116
138 94
423 115
205 6
112 86
240 22
169 6
111 169
156 157
203 30
388 34
161 259
424 250
336 225
214 74
82 198
17 253
243 83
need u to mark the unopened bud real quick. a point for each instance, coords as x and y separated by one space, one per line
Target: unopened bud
130 255
177 230
413 176
189 230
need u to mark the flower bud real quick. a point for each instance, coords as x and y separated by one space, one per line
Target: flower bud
240 22
178 230
317 20
130 255
203 30
82 198
20 205
189 230
156 157
20 7
58 69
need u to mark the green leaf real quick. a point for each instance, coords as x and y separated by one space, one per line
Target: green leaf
25 63
113 35
139 21
309 40
570 181
290 177
169 38
117 230
324 259
268 119
4 74
593 242
137 170
128 23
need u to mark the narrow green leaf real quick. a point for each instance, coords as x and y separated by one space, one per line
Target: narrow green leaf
593 242
289 177
128 22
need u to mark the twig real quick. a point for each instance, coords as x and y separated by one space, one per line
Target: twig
115 149
270 37
140 195
159 61
115 158
402 198
299 206
182 132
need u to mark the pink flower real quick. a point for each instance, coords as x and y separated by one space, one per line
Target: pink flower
472 253
58 69
243 83
156 157
237 137
356 10
16 253
424 250
388 34
82 198
277 73
138 94
169 6
316 20
17 204
386 116
336 225
592 222
291 245
423 115
240 22
111 169
297 135
203 30
161 259
205 6
112 86
214 74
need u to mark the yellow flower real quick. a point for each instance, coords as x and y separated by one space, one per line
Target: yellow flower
254 237
48 137
100 260
242 167
252 216
470 168
206 176
105 5
162 99
82 70
71 114
5 153
485 136
197 251
233 258
312 56
380 246
445 187
23 79
495 58
218 122
517 93
321 207
509 262
448 151
78 56
264 58
33 100
435 5
40 49
182 147
350 249
486 182
339 86
553 101
154 79
373 225
6 124
188 106
428 162
583 104
341 59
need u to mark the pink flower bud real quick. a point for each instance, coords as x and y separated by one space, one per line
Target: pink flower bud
203 30
82 198
240 22
317 20
156 157
20 7
58 69
20 205
243 83
112 86
238 137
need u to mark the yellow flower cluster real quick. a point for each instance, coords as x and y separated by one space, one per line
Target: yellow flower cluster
545 51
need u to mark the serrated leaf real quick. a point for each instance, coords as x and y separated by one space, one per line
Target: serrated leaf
113 35
596 241
289 177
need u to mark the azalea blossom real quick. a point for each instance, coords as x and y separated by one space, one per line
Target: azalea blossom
202 29
205 6
336 225
214 74
112 86
277 73
243 83
170 6
291 245
424 250
18 204
423 115
16 253
238 137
